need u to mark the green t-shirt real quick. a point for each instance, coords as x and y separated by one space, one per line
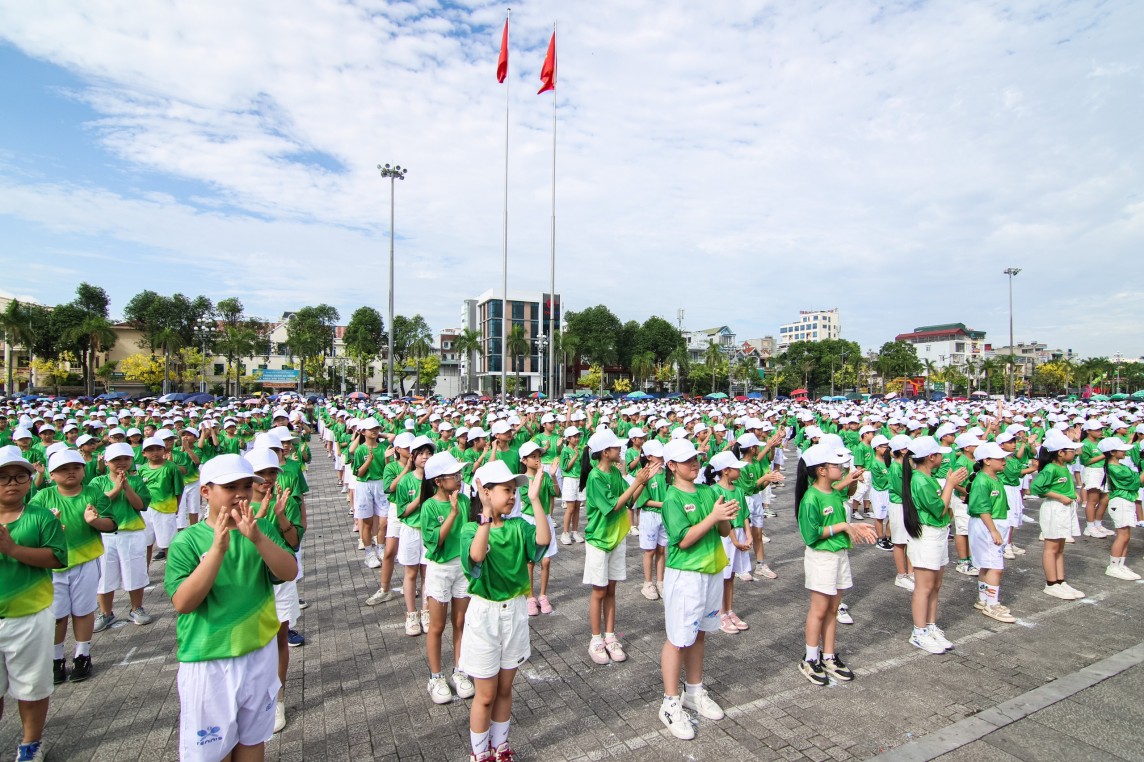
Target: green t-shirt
84 543
547 444
510 457
681 511
895 478
736 494
238 615
570 463
654 492
879 474
820 509
228 445
1054 478
547 495
503 574
165 483
392 470
377 465
26 590
607 525
1011 475
433 515
127 519
1090 455
926 492
987 495
407 491
1123 482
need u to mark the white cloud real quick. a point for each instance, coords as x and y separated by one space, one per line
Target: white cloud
741 160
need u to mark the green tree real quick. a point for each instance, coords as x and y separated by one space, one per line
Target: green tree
168 323
896 359
468 343
95 334
363 340
26 325
517 346
643 366
596 329
238 337
412 340
712 358
659 337
682 363
310 334
428 368
625 343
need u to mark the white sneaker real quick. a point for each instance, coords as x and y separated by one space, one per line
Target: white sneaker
649 591
412 624
439 691
927 643
843 615
381 596
1091 531
903 581
702 703
1018 550
371 559
999 613
1121 572
1059 591
360 544
1009 554
463 684
672 715
565 538
577 537
744 577
425 621
1104 531
1076 594
938 635
279 716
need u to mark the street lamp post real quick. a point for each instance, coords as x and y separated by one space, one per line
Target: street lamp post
1118 358
541 345
393 173
204 328
1011 272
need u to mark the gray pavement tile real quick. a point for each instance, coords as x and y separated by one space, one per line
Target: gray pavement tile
1036 742
979 751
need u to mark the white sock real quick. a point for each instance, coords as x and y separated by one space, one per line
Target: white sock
83 649
498 734
479 742
812 653
919 631
609 636
690 689
1113 561
828 657
59 651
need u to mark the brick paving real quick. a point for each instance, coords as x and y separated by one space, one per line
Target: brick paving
356 690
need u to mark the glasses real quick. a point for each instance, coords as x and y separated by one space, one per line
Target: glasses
20 477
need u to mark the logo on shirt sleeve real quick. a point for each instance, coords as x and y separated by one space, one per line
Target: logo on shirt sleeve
828 510
689 508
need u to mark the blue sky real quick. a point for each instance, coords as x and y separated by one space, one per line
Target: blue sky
741 161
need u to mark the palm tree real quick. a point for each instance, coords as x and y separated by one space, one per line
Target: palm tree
16 323
711 358
989 368
94 335
169 340
679 359
517 346
570 347
468 343
643 365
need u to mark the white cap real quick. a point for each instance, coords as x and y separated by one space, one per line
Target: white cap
84 439
260 460
442 463
153 442
1093 425
224 469
497 473
818 454
500 427
63 457
1108 444
989 450
899 442
654 448
923 447
878 441
750 440
528 448
726 459
945 428
1005 436
10 455
403 440
267 441
21 433
635 432
285 435
118 450
1055 441
968 439
477 433
365 425
679 451
422 441
602 440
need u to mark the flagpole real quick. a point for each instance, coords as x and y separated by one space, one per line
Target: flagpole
504 260
553 326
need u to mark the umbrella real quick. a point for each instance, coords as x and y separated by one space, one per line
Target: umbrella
716 396
357 396
754 395
636 395
538 396
1119 396
1138 395
250 402
1099 398
740 398
979 393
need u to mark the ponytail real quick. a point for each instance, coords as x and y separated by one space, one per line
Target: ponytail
586 459
428 489
801 484
475 507
1044 458
909 510
709 475
977 464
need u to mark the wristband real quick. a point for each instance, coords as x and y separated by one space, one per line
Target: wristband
831 530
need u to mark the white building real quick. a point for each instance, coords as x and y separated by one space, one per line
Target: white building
812 325
946 344
698 341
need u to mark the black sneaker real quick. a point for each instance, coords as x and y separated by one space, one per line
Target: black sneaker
813 671
81 669
159 555
59 671
836 669
885 544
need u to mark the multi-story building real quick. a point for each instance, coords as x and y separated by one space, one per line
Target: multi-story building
537 313
812 325
1026 357
698 341
946 344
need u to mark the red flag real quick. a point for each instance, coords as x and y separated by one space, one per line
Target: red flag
548 70
502 61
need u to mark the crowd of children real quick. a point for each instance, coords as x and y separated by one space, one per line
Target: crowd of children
462 496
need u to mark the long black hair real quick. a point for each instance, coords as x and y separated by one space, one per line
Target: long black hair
802 481
586 465
909 510
977 464
1045 457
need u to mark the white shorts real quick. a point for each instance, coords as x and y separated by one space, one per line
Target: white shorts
327 434
123 564
553 546
444 582
931 550
880 503
370 500
738 561
960 515
602 567
350 480
26 656
496 636
691 603
898 533
75 590
189 504
1016 506
226 702
392 523
149 526
286 602
570 490
1057 521
756 507
1093 478
652 532
862 491
410 549
986 554
1122 512
827 571
164 526
339 464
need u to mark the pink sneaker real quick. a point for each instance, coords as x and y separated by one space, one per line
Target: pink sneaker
615 650
597 651
735 620
545 606
727 626
533 607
